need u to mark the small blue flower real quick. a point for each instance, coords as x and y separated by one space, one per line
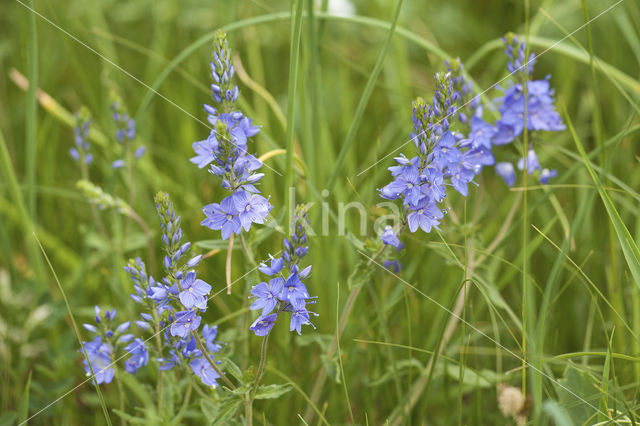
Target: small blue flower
201 368
251 208
193 292
393 265
547 174
506 171
263 324
481 133
99 355
267 295
532 162
276 266
223 216
139 356
117 164
425 216
209 335
140 151
300 317
185 322
389 237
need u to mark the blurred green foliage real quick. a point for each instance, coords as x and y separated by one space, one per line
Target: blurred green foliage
583 310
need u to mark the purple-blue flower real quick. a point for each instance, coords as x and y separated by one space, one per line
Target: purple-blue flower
209 334
99 355
184 323
267 295
276 266
223 216
251 208
263 324
389 237
201 368
547 174
506 171
139 356
425 216
193 292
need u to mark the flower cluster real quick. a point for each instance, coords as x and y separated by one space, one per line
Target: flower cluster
444 157
285 292
125 131
454 143
172 307
541 114
81 133
225 152
109 342
174 303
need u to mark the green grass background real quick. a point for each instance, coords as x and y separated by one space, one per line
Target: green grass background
567 268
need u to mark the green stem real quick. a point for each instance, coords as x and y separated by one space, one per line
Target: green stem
525 224
254 388
123 422
159 350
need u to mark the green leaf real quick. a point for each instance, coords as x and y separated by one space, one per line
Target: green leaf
394 371
629 247
573 390
226 409
272 391
216 245
232 368
558 413
472 379
23 410
209 409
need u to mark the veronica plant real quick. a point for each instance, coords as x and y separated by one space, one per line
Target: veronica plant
105 346
174 304
445 157
80 152
540 111
226 154
285 292
125 133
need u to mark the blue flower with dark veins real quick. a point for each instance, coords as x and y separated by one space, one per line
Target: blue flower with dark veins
185 322
193 292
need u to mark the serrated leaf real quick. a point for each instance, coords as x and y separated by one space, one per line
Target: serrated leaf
209 409
272 391
226 409
359 276
228 366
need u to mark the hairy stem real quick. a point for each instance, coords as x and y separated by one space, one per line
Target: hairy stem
228 267
252 394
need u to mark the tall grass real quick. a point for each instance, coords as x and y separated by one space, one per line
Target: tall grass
550 273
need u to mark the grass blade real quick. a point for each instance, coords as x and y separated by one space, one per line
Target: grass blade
628 245
75 329
364 100
294 54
